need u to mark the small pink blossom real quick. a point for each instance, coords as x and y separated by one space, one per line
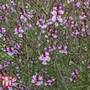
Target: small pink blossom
78 4
50 49
41 23
17 46
12 50
74 75
19 31
44 58
54 34
63 49
49 82
25 15
9 50
57 12
75 33
37 80
8 81
4 7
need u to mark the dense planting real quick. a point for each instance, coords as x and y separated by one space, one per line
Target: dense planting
44 44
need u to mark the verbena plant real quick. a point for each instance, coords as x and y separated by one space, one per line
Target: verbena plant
44 44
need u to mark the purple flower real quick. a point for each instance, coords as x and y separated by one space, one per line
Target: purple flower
9 50
57 12
29 26
2 17
49 22
4 7
75 33
54 34
74 75
44 58
63 49
50 49
49 82
17 46
19 31
78 4
37 80
41 23
25 15
82 17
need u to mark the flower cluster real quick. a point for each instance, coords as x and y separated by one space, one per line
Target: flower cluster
41 23
49 82
8 81
19 31
25 15
44 58
50 49
63 49
57 12
12 50
56 17
60 25
4 7
39 80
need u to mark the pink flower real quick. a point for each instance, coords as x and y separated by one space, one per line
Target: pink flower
37 80
74 75
75 33
49 82
82 17
57 12
50 49
19 31
41 23
8 81
78 4
29 26
44 58
17 46
12 50
63 49
23 18
4 7
54 34
9 50
25 15
49 21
